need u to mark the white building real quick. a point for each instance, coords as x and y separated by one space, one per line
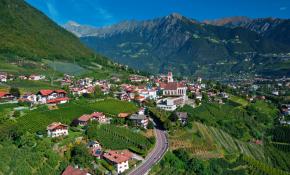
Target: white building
140 120
119 158
57 129
171 103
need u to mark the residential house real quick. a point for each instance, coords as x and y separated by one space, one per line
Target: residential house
95 149
140 120
57 129
36 77
52 97
119 158
3 77
182 117
97 116
70 170
5 96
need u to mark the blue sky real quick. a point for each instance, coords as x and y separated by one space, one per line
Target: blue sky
106 12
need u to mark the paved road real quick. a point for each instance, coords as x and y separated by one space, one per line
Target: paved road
155 155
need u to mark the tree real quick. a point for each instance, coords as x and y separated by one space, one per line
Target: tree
81 156
15 92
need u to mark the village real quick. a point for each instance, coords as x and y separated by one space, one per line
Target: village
162 91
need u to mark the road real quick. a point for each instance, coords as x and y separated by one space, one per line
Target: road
155 155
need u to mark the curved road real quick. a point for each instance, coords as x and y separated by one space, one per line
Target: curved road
155 155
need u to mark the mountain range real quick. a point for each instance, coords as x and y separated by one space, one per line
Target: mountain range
211 48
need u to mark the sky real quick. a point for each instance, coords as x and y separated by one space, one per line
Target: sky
106 12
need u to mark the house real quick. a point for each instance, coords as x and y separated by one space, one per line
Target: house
36 77
171 103
182 117
5 96
74 171
285 109
84 119
198 96
224 95
123 115
97 116
3 77
119 158
52 97
140 120
95 149
29 97
100 117
57 129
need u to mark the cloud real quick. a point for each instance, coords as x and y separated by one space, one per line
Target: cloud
52 10
283 8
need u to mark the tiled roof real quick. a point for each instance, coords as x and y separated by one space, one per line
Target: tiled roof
118 156
46 92
74 171
57 100
55 125
2 94
85 118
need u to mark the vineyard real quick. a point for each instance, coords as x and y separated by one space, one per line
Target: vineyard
113 137
16 160
230 144
38 119
260 168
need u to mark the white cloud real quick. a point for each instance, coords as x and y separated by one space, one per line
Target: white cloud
283 8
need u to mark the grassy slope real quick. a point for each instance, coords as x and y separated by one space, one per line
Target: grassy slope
26 31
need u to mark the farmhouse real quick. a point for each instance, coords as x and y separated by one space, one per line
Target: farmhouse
140 120
36 77
57 129
119 158
52 96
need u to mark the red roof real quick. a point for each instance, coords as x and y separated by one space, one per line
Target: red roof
74 171
85 118
56 125
173 85
2 94
60 91
57 100
97 114
46 92
118 156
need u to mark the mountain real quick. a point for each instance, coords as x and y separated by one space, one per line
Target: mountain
189 47
25 31
230 21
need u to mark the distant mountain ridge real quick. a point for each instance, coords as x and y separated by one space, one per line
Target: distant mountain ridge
189 47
